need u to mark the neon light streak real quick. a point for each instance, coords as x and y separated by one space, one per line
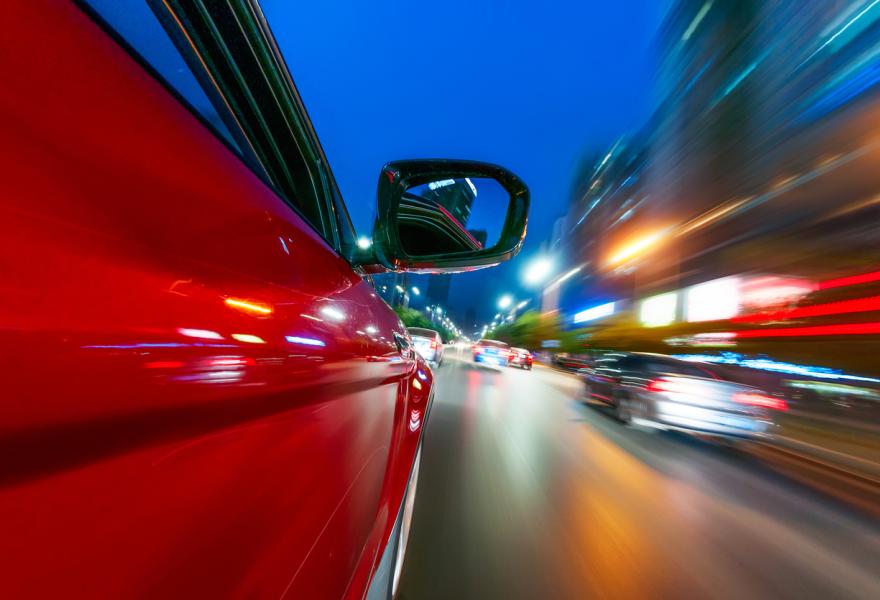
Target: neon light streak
834 308
851 280
818 330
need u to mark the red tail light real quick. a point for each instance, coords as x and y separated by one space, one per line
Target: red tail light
663 385
434 344
754 399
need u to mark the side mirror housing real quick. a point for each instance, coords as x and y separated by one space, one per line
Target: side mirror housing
439 216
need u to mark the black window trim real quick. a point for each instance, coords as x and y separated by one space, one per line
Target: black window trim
331 219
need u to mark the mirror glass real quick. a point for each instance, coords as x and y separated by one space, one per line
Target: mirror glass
452 215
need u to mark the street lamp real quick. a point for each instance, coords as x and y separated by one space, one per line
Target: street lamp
538 270
637 247
415 290
505 301
364 242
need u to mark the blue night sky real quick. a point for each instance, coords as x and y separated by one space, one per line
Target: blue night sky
531 88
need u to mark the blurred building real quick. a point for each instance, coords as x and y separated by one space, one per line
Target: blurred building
762 156
455 195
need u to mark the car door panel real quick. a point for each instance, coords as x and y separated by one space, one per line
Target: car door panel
201 398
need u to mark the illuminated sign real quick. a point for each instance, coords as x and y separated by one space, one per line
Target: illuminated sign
659 310
597 312
713 300
439 184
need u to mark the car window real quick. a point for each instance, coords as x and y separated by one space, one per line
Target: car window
428 333
493 343
135 23
607 365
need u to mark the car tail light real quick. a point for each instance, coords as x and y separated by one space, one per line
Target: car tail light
478 350
662 384
755 399
434 344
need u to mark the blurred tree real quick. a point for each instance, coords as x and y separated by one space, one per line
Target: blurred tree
412 317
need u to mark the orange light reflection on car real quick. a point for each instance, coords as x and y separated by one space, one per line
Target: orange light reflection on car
248 306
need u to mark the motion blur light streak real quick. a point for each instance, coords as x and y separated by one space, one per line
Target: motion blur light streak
204 334
332 313
247 306
632 250
851 280
713 300
659 310
164 364
761 400
817 330
835 308
248 338
304 341
232 362
766 364
596 312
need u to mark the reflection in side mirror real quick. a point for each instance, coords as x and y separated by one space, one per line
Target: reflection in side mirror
452 215
443 215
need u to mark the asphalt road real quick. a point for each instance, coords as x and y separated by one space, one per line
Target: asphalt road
526 493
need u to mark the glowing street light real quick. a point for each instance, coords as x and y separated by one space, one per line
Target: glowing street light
538 270
416 291
364 242
637 247
505 301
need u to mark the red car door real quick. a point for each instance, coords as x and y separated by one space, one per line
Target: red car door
200 397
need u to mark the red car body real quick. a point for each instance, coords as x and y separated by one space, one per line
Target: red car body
188 409
521 358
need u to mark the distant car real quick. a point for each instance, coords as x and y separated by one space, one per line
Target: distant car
491 352
520 357
668 393
567 362
428 344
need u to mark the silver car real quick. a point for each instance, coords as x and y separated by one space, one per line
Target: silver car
660 391
428 344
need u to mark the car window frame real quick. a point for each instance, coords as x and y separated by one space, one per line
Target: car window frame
331 205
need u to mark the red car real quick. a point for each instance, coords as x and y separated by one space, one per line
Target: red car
203 395
520 357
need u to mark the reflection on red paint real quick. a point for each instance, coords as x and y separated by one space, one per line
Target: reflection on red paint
846 329
248 306
415 419
232 362
164 364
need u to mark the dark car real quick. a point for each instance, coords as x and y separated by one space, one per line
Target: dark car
668 393
203 394
569 362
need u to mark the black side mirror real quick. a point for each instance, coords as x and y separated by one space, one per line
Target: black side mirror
448 215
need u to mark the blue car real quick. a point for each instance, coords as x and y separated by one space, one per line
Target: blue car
491 352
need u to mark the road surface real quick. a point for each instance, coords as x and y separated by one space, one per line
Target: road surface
526 493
